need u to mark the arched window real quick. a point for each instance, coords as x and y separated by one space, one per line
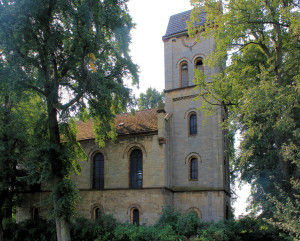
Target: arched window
35 214
97 212
193 124
196 211
199 64
98 177
184 74
135 216
136 169
193 169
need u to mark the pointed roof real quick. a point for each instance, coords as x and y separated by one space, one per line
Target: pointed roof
142 122
177 23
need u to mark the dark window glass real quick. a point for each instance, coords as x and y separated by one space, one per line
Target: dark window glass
98 182
136 169
184 75
227 212
199 65
97 213
136 217
36 187
193 124
194 169
35 214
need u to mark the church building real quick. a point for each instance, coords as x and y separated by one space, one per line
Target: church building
162 157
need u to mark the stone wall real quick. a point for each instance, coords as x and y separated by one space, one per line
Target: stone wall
116 162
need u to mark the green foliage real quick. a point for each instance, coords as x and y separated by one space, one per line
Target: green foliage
107 228
72 55
65 197
168 217
17 111
39 230
150 99
257 53
84 230
188 224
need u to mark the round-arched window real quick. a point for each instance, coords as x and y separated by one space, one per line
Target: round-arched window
184 74
193 169
98 171
199 64
136 169
193 124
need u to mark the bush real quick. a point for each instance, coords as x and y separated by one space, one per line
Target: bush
172 225
188 224
39 230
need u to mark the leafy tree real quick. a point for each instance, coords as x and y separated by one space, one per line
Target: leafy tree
257 52
72 54
150 99
16 117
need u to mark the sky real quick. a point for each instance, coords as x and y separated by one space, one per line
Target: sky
147 51
151 19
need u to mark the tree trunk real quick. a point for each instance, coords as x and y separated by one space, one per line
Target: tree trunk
62 226
62 230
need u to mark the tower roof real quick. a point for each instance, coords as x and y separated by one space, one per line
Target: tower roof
177 23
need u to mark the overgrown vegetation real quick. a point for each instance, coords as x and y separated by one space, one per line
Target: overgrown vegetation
171 225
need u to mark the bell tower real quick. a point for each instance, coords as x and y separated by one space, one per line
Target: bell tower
198 172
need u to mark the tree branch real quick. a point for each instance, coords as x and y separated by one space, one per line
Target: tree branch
36 89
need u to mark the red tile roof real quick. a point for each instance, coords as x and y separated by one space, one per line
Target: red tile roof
142 122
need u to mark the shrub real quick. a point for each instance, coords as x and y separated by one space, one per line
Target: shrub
39 230
187 224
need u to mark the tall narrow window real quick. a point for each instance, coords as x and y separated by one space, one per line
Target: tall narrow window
193 124
184 75
199 64
97 213
227 211
193 169
136 169
35 214
98 180
135 216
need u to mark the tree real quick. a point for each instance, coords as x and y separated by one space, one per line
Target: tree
150 100
17 115
72 54
257 52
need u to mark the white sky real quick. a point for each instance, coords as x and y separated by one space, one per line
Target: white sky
151 18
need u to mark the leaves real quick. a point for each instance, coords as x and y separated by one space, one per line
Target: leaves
257 52
150 99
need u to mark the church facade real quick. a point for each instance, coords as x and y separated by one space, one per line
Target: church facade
162 157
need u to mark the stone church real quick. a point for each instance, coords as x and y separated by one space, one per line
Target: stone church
164 156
